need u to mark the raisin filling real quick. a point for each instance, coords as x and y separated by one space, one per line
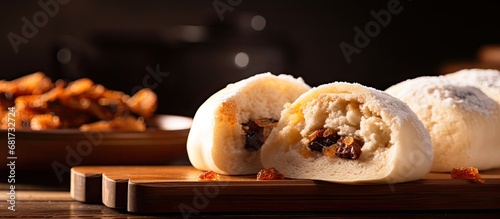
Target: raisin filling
349 148
256 132
329 143
322 138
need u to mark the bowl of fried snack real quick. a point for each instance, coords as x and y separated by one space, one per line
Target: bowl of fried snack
43 105
59 124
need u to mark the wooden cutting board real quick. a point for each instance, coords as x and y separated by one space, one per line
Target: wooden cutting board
153 189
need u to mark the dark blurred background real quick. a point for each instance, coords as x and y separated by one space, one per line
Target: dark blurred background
191 52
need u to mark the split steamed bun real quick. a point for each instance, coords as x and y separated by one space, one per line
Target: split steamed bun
349 133
230 127
461 112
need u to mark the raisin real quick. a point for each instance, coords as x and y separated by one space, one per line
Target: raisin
349 148
209 176
468 173
270 174
329 143
256 133
319 140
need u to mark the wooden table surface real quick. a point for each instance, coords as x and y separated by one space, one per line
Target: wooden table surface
58 204
169 189
40 197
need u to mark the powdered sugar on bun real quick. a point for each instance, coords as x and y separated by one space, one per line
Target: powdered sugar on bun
393 144
488 80
483 78
462 114
217 138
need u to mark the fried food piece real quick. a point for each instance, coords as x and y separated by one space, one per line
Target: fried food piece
17 119
88 106
144 102
42 105
6 87
105 96
78 87
45 122
38 101
128 123
6 100
96 126
115 95
93 99
4 118
28 106
95 92
35 83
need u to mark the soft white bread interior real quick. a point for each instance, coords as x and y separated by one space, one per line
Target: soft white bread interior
217 140
461 113
396 148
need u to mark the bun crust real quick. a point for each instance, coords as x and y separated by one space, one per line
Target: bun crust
397 148
461 111
216 140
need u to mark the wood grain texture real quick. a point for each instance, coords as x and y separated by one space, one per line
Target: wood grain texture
73 209
154 189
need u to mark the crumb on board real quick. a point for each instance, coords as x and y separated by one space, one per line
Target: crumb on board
209 176
468 173
270 174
